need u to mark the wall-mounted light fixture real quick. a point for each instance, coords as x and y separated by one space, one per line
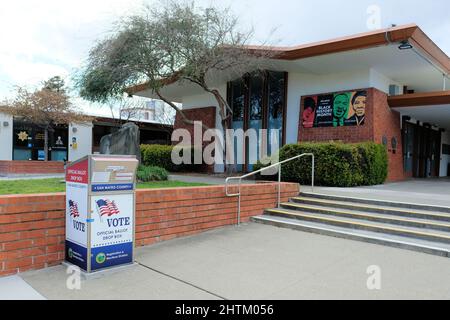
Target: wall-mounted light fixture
405 45
74 130
394 145
5 123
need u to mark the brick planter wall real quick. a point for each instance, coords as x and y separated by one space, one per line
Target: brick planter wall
32 229
30 167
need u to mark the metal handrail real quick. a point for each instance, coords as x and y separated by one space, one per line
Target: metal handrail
278 164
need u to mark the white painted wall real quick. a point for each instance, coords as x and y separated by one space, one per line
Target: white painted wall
445 159
381 82
83 136
6 137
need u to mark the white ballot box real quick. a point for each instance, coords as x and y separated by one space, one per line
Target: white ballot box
100 211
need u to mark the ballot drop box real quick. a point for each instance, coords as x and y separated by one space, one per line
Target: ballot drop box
100 211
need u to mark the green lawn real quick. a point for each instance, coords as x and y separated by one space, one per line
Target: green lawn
58 185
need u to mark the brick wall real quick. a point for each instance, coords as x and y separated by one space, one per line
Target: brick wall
30 167
32 229
380 121
387 123
207 116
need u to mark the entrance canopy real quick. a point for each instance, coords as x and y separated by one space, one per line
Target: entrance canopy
431 107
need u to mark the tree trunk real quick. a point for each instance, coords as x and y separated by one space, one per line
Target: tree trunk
46 143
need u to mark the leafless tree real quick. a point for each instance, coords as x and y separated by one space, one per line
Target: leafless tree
176 42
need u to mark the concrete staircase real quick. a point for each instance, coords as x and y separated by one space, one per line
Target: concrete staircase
415 227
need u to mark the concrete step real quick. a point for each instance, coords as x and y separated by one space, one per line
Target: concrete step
382 203
325 228
418 220
353 223
373 208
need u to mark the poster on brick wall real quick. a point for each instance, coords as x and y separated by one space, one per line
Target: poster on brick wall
334 110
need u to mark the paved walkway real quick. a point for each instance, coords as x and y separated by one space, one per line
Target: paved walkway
15 288
259 262
421 191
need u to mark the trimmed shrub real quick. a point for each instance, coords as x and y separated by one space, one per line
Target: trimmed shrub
146 174
157 156
161 156
336 164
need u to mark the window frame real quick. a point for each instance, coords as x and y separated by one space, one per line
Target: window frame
265 104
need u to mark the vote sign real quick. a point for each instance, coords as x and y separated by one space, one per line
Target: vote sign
111 230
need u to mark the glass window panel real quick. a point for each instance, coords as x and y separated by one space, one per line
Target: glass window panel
22 154
237 100
237 105
256 98
276 101
255 118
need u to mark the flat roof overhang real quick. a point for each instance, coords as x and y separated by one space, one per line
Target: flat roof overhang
410 32
421 68
430 107
420 99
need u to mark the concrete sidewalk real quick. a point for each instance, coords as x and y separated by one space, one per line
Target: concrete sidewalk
15 288
420 191
260 262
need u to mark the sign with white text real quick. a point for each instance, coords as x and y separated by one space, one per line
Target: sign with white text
112 230
76 224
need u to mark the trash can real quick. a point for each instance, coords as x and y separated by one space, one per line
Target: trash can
100 212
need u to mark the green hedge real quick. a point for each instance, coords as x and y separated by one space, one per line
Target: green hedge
160 156
337 164
146 174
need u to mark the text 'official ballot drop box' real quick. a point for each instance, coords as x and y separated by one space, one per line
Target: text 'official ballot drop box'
100 211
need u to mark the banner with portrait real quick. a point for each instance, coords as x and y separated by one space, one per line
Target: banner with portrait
334 110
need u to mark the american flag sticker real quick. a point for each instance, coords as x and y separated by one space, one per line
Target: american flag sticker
107 207
73 209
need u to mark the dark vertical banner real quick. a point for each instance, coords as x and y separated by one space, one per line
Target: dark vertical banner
324 114
334 110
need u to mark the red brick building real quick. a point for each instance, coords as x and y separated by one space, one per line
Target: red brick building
386 86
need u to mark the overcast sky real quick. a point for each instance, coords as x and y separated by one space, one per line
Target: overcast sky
40 39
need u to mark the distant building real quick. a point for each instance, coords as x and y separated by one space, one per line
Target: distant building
22 143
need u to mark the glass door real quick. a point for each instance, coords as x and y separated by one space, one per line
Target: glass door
408 148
